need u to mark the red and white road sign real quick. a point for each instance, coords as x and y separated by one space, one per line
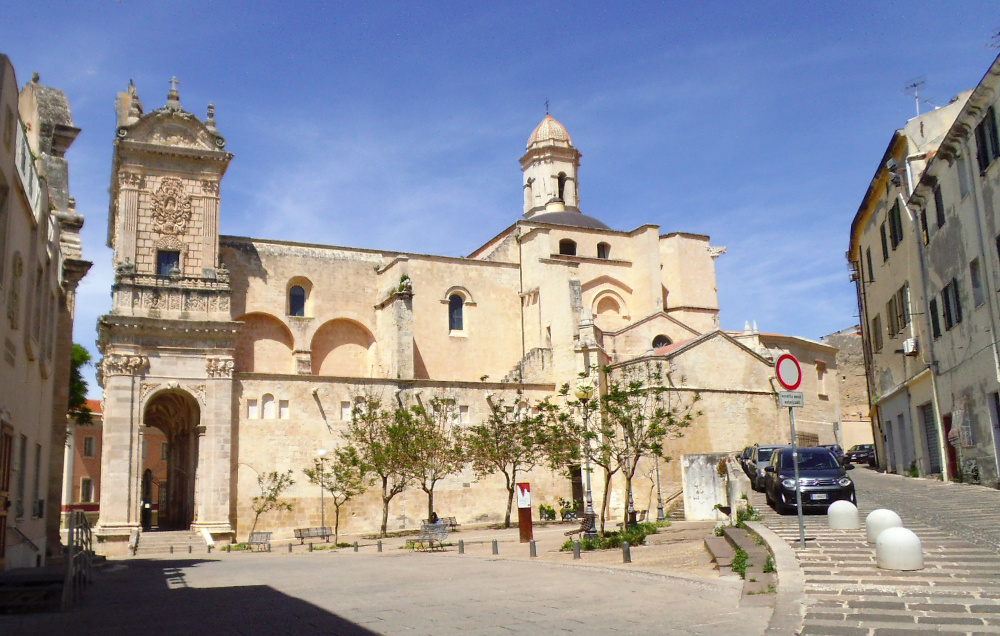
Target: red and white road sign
788 371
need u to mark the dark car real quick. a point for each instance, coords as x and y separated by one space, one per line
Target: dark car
759 458
744 459
822 480
861 454
837 451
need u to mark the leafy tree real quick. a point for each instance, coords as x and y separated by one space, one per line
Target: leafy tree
272 485
79 358
512 441
438 449
345 478
383 440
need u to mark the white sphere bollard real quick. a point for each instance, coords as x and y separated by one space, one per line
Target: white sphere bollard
843 515
899 549
880 520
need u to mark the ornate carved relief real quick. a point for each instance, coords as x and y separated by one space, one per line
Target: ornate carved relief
210 187
195 302
120 364
198 390
219 367
171 207
146 389
131 179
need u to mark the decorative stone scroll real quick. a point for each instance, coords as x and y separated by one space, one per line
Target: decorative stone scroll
171 207
118 364
198 390
130 179
210 187
219 367
716 251
146 389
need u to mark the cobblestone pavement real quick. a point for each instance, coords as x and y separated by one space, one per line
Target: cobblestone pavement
957 592
397 592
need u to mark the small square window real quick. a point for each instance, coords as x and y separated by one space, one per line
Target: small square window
89 445
164 451
978 293
168 262
86 490
252 410
283 412
345 411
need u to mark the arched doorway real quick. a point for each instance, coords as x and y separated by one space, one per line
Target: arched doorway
177 415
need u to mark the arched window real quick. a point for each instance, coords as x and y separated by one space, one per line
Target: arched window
603 250
296 301
567 247
661 341
456 304
267 406
562 185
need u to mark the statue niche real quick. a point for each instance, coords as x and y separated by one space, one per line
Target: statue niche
171 207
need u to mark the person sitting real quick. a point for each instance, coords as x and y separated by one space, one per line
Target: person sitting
434 518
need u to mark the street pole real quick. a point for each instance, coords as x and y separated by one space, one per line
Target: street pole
659 495
322 488
798 486
584 391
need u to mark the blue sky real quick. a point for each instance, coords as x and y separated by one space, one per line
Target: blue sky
398 125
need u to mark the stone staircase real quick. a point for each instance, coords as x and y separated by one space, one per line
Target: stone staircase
724 550
158 542
532 368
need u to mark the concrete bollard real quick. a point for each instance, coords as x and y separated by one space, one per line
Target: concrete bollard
576 548
355 546
380 545
899 549
532 549
843 515
461 546
879 520
496 547
626 552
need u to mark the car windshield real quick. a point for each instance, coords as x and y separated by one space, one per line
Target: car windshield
859 447
810 459
764 454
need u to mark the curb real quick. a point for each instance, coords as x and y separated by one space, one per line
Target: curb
789 606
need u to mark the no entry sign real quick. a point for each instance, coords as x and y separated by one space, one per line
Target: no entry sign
789 372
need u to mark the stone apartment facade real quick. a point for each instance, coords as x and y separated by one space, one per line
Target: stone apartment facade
248 353
929 302
40 267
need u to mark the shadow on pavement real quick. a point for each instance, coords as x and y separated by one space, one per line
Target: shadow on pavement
151 596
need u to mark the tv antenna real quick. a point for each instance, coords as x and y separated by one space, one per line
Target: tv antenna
912 89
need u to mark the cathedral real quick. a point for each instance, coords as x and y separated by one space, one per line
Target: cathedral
247 353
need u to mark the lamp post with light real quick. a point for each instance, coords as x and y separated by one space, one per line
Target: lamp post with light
322 487
584 392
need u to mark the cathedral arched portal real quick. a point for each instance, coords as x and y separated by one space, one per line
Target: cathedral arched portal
177 414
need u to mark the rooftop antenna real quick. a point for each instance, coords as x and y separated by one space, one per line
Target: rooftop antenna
546 105
913 89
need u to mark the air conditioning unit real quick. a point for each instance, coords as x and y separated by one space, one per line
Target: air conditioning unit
910 347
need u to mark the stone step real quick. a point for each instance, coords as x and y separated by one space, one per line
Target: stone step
721 550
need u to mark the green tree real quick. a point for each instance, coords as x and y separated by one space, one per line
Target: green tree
271 485
513 440
383 440
438 449
79 358
346 477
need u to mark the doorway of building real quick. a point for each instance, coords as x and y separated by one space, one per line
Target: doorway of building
175 414
6 451
952 454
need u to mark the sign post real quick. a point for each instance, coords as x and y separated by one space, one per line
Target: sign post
790 377
523 492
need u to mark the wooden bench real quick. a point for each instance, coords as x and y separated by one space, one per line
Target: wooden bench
259 541
640 516
313 533
430 533
587 524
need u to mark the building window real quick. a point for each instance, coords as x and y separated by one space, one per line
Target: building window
978 293
22 476
924 234
86 490
345 411
939 206
567 247
252 412
463 414
964 183
895 226
903 306
89 444
283 411
952 304
296 301
987 143
871 270
603 250
661 341
892 322
562 186
456 305
877 333
935 321
885 244
168 262
267 405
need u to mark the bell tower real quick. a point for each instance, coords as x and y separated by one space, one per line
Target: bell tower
550 166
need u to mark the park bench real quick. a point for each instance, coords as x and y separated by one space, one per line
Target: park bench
260 541
640 516
430 533
313 533
451 522
586 524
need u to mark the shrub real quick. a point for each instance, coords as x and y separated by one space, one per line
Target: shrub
747 514
740 563
546 513
635 535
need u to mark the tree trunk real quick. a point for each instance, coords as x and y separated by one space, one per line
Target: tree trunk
510 497
385 506
604 503
254 526
628 499
336 525
430 501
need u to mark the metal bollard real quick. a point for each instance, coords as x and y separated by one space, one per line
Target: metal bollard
355 546
171 549
190 548
310 546
532 549
289 548
461 546
626 552
380 545
210 549
576 548
496 547
229 548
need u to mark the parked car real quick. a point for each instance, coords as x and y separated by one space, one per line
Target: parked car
744 458
861 454
759 458
822 479
837 451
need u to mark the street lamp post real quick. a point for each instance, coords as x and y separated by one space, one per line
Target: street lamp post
659 496
322 487
584 391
